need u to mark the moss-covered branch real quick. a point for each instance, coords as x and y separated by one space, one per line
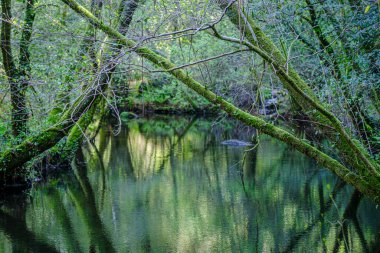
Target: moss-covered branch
12 160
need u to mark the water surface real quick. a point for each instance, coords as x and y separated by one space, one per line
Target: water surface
168 185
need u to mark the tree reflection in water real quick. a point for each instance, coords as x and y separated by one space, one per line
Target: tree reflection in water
166 184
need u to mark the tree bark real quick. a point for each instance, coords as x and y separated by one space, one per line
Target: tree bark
18 78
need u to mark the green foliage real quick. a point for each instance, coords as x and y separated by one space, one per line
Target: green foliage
3 128
163 93
54 115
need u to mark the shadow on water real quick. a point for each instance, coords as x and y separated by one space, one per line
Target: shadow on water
15 228
167 185
54 201
83 197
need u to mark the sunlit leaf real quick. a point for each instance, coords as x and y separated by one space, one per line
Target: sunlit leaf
367 9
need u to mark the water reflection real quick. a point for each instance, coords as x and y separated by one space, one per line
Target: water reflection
167 185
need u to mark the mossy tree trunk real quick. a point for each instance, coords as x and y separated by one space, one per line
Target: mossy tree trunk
18 77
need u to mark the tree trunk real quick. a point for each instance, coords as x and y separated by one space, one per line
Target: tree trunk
18 78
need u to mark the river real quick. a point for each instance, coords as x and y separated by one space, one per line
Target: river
167 184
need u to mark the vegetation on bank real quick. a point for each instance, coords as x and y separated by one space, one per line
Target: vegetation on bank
315 61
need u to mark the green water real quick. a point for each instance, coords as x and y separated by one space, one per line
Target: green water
168 185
